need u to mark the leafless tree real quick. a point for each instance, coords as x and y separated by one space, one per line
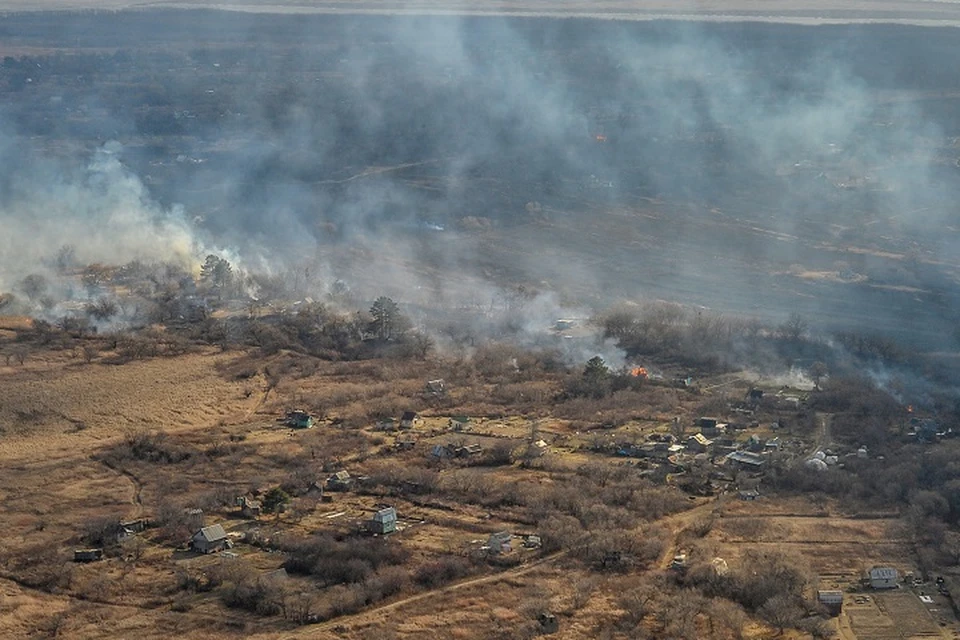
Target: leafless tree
781 611
794 328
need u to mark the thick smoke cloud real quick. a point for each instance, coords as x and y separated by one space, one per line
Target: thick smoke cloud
103 211
447 161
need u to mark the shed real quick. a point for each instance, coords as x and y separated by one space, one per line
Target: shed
441 452
460 423
884 578
532 541
749 494
679 562
436 387
548 623
298 419
409 419
500 542
467 450
136 526
698 443
87 555
405 441
195 518
387 424
832 599
340 481
210 539
383 521
249 508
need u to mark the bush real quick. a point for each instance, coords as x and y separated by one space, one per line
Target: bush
439 572
340 561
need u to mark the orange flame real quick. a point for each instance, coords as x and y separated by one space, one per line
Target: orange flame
638 372
601 137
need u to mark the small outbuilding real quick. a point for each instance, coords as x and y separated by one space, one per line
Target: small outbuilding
460 423
405 441
387 424
500 542
298 419
832 600
249 508
441 452
548 623
436 387
468 450
340 481
711 427
409 419
87 555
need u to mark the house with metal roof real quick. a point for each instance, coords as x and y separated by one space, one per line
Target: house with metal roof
884 578
210 539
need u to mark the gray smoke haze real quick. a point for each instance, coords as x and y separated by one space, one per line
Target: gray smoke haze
446 162
103 211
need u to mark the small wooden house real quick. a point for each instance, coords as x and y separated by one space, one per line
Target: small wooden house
383 521
500 542
210 539
409 419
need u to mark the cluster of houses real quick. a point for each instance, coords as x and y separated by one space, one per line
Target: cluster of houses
407 421
711 440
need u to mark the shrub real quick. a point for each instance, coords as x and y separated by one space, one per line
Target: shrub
441 571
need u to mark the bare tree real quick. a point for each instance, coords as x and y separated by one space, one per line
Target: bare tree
794 328
34 286
818 371
781 611
20 353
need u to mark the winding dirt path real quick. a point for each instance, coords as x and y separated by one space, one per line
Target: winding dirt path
136 499
345 621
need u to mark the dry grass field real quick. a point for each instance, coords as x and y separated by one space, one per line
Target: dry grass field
68 425
831 542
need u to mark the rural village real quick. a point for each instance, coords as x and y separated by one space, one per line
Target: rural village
316 494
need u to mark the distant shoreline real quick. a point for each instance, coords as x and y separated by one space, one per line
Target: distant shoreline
935 13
